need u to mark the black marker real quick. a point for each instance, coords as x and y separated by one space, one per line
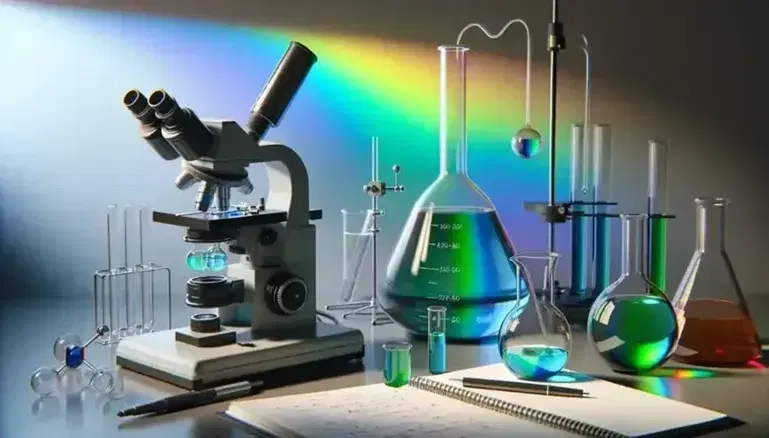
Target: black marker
521 387
192 399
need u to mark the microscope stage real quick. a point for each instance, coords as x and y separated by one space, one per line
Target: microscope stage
161 356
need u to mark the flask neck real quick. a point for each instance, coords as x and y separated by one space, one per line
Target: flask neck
711 227
453 128
633 260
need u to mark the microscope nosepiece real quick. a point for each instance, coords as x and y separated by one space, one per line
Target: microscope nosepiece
181 127
135 102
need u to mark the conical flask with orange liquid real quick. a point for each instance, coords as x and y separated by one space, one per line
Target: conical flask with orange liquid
715 325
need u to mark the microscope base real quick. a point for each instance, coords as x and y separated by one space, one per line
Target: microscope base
159 355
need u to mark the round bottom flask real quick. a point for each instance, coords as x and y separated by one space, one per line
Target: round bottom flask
632 325
535 337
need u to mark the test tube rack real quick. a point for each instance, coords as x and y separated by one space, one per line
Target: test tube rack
125 294
376 188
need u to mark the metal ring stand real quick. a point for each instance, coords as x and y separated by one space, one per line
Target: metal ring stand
375 189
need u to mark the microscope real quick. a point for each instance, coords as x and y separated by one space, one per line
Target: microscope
265 307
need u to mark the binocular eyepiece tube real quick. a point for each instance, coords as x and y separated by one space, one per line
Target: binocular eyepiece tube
171 130
151 130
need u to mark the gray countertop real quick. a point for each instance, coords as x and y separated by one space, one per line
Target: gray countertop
30 328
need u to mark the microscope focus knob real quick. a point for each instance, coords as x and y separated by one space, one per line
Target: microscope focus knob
286 293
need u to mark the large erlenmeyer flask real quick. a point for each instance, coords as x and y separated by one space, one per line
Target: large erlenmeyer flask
632 325
717 329
453 250
535 339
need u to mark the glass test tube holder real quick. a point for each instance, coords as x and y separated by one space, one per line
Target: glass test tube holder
375 188
125 294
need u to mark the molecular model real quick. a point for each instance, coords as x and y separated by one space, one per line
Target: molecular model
71 352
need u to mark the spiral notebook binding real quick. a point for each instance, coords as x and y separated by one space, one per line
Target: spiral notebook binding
513 410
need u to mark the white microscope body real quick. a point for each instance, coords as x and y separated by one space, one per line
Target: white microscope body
266 305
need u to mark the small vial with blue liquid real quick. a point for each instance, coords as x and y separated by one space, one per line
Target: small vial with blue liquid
436 339
212 258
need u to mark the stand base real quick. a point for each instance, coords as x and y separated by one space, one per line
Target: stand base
575 308
161 356
363 308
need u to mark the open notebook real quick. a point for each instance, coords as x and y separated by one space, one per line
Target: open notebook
436 406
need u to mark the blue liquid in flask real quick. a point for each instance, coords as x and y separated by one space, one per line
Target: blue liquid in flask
216 258
535 362
436 352
468 254
197 260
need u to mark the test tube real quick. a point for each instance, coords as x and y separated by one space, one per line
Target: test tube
579 231
110 297
436 344
601 176
397 366
656 209
146 274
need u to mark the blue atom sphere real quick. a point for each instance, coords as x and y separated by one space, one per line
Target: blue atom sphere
527 142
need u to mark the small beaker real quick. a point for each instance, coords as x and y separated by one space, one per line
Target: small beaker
397 366
436 339
357 229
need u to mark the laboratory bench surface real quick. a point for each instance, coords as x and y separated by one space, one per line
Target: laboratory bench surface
29 329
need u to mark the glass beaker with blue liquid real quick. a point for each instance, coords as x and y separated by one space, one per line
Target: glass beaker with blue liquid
535 338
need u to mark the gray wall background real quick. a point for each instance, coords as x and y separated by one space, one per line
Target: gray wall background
692 69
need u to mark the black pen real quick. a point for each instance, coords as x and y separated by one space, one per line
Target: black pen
192 399
522 387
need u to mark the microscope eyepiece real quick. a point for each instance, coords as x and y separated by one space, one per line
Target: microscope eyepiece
281 88
181 127
166 108
135 102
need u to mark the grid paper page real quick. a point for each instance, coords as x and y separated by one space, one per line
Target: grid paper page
377 411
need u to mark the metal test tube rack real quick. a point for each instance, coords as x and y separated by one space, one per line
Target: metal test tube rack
375 188
125 295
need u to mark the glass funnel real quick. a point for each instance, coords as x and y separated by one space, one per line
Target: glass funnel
535 338
453 250
717 329
632 324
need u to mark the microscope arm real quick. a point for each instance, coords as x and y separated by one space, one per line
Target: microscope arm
289 186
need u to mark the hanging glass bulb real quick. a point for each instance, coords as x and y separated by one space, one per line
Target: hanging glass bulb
216 258
527 142
196 260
